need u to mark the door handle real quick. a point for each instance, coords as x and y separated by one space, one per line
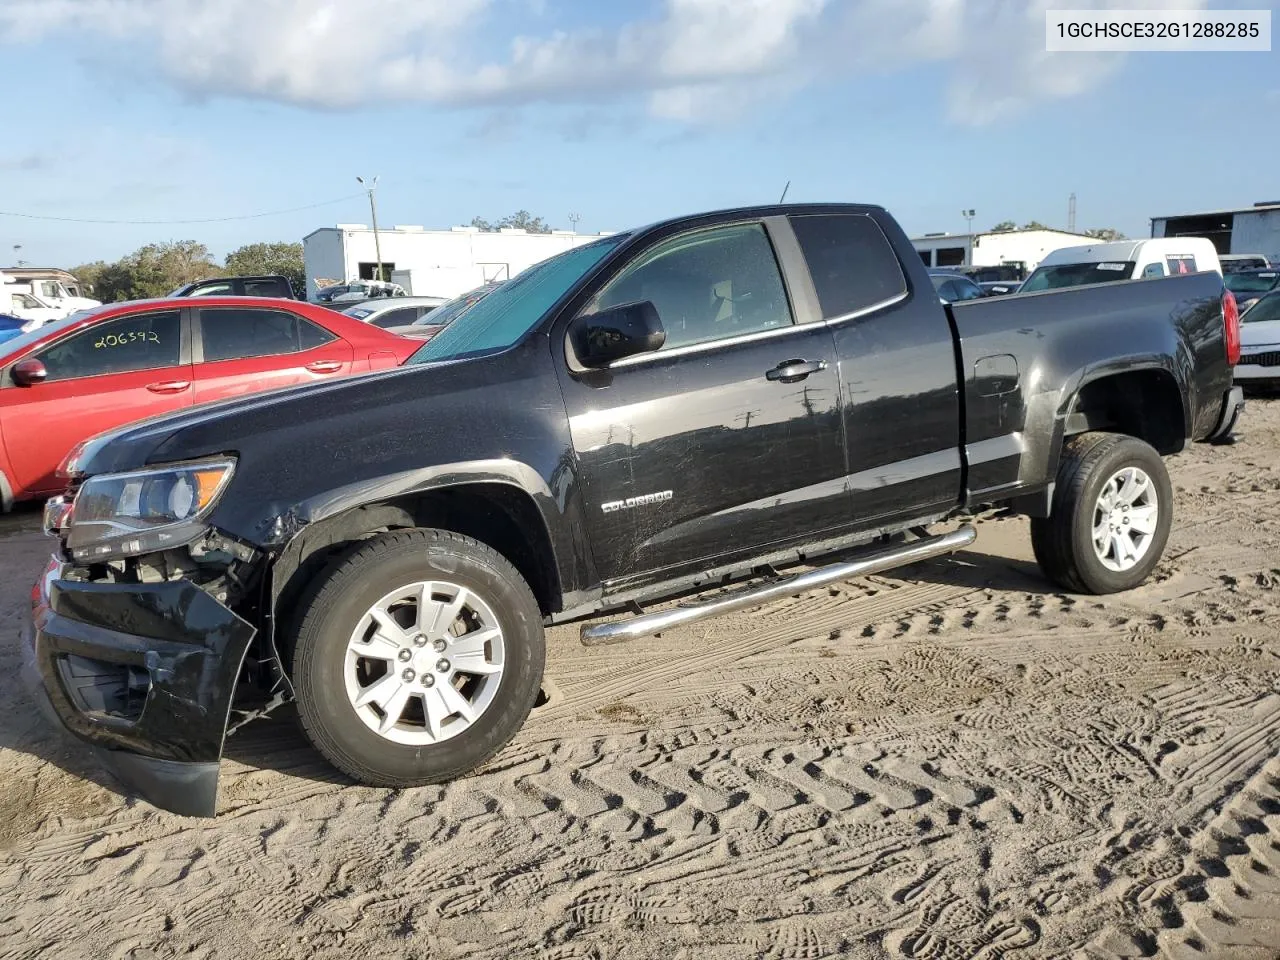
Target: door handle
169 386
324 366
792 371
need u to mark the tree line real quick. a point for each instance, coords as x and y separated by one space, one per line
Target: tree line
157 269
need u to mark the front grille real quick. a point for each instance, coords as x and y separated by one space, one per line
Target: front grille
1268 359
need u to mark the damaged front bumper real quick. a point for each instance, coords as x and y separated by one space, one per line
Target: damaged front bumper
145 673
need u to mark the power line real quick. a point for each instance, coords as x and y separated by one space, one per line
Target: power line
247 216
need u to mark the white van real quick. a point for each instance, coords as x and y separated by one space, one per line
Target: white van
1123 260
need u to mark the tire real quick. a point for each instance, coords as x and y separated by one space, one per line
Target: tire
1064 542
336 622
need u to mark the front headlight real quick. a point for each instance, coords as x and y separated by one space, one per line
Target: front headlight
124 514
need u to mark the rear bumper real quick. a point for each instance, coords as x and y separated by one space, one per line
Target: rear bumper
145 673
1232 407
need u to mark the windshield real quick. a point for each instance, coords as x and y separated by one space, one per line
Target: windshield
1077 275
446 313
1239 283
1268 308
511 311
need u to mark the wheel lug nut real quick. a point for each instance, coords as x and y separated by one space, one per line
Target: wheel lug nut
443 666
420 640
439 646
428 680
406 656
408 676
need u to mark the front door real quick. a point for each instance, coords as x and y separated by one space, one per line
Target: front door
106 376
725 443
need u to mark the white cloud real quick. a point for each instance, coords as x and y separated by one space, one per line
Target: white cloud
692 60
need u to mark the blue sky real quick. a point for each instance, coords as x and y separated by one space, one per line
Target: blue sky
622 113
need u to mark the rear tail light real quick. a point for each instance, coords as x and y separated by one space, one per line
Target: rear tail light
1231 327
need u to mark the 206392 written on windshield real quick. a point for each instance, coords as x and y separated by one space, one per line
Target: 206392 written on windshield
1168 31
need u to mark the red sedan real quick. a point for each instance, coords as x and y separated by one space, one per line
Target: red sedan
94 371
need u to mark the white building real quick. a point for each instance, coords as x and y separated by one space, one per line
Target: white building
1253 229
440 263
1025 247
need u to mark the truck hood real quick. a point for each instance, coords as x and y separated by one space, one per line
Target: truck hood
218 428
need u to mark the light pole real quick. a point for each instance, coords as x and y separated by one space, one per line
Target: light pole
373 212
17 252
573 221
968 220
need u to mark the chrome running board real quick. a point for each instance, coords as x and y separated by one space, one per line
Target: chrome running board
898 555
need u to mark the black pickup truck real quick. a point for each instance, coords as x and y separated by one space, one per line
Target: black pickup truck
705 400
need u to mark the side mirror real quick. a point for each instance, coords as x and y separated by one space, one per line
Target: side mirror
29 372
622 331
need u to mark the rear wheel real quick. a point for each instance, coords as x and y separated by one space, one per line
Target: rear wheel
417 658
1112 511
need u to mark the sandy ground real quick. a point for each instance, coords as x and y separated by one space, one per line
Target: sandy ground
953 763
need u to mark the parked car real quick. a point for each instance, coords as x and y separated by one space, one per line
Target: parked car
432 323
954 287
33 311
1251 285
112 365
650 413
1259 364
267 286
10 326
359 290
1122 260
394 311
1233 262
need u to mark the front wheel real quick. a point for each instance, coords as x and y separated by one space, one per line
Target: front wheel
417 657
1112 511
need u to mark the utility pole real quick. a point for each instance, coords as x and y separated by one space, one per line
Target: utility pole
1071 214
373 212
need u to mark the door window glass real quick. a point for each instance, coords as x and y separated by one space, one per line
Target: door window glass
311 336
1153 270
229 333
706 285
213 290
851 262
140 341
396 318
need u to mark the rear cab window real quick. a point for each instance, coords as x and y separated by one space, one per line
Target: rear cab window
851 261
